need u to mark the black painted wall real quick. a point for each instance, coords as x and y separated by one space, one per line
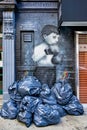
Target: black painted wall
34 20
67 46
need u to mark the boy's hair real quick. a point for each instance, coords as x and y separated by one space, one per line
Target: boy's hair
48 29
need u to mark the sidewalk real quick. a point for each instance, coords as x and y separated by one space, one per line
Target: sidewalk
66 123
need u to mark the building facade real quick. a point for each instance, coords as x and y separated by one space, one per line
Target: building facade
21 23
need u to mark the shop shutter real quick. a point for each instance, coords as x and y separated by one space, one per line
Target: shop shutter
83 68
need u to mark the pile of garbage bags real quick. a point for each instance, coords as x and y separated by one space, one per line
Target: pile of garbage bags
30 101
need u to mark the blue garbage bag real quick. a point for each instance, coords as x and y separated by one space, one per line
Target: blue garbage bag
25 117
45 90
13 92
44 115
29 85
74 107
47 96
63 92
60 109
29 103
9 110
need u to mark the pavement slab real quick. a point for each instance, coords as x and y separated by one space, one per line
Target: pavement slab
68 122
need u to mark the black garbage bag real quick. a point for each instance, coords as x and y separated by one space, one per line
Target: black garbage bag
74 107
13 92
25 117
9 110
60 109
29 103
63 92
46 95
44 115
29 85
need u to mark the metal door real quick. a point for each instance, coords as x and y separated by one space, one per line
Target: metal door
26 50
27 46
81 48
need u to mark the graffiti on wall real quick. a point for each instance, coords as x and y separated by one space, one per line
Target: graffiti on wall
47 53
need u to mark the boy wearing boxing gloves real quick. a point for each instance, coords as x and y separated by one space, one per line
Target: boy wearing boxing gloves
46 55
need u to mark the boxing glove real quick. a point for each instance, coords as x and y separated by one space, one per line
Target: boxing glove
57 59
54 49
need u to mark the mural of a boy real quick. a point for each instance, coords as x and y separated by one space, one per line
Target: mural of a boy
46 55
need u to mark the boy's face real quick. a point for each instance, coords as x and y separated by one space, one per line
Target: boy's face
52 38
